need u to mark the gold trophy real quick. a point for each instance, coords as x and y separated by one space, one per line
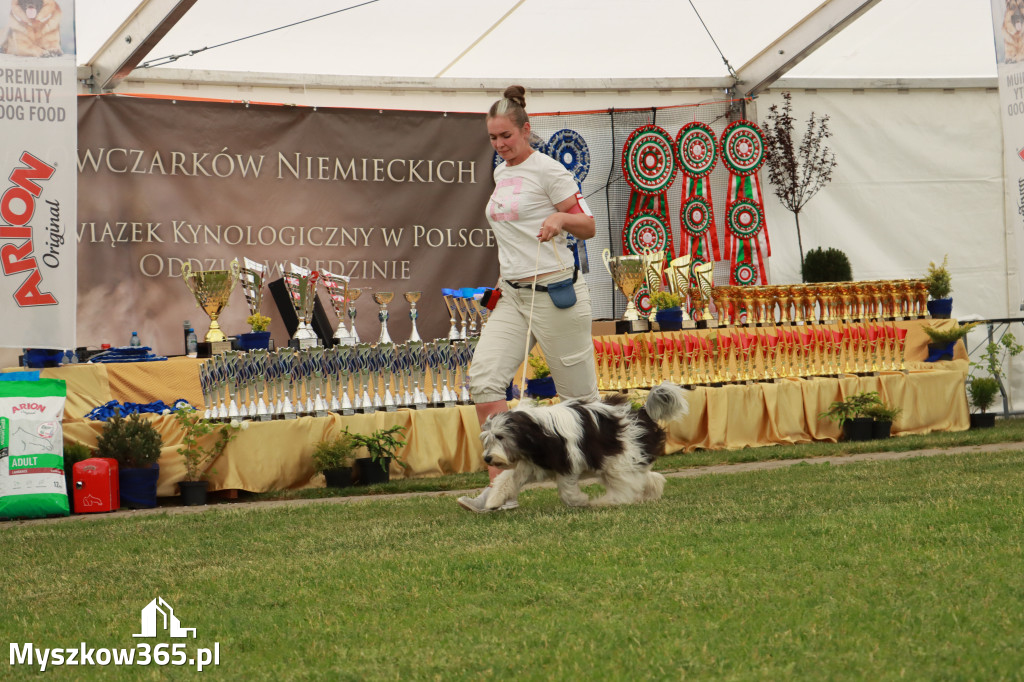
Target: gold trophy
212 289
628 274
301 285
654 263
337 290
705 276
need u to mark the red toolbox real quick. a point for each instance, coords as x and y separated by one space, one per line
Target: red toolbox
95 485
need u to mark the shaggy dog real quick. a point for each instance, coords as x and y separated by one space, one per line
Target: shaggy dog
569 439
1013 31
33 29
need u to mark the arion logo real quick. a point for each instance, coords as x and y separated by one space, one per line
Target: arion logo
159 614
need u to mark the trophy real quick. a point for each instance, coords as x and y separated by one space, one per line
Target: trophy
449 302
679 283
704 274
301 285
654 263
337 289
382 298
212 289
253 277
412 298
628 275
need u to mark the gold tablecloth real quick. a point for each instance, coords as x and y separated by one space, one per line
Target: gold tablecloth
277 455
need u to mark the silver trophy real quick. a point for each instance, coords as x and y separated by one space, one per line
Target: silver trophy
413 297
259 375
449 301
353 296
482 311
386 356
253 277
337 289
433 359
382 298
446 365
301 285
364 362
286 358
418 366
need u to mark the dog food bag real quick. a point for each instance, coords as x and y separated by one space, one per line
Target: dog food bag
32 449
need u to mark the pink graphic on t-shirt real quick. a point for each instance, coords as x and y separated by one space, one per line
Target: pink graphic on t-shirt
504 203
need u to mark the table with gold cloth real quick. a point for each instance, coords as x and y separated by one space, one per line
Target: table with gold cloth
277 454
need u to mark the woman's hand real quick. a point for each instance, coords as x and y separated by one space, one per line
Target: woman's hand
551 227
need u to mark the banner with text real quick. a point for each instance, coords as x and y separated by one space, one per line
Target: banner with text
392 199
1008 29
38 104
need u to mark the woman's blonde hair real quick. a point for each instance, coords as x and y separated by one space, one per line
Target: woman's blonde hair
512 105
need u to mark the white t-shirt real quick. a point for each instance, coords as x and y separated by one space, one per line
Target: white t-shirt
524 195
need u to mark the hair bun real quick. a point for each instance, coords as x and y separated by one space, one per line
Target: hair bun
516 93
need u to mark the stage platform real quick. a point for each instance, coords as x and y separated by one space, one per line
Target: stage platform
276 455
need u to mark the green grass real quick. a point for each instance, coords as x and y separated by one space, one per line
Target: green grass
1005 431
880 570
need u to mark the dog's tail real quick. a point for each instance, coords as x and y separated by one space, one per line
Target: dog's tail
666 402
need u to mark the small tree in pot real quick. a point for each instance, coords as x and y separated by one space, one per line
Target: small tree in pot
851 415
940 286
381 445
982 390
194 427
135 444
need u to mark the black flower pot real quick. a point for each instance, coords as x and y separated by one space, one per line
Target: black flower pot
858 428
881 429
983 420
338 478
193 493
368 472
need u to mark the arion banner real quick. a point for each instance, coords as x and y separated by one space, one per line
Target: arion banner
392 199
37 174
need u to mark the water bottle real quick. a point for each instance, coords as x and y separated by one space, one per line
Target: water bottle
135 340
188 328
191 343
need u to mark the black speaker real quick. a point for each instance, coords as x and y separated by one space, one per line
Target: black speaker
321 324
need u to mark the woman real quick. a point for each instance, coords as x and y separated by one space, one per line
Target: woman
535 199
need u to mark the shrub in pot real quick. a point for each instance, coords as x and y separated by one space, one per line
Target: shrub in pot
669 308
333 458
381 446
982 389
541 385
981 392
135 444
883 416
826 265
851 415
259 337
940 286
942 341
193 428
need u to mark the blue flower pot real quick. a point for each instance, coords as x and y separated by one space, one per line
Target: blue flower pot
254 340
138 487
940 309
541 388
669 319
940 351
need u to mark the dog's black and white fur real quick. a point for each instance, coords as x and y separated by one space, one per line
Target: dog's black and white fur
572 438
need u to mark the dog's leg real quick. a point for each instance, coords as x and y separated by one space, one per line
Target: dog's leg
507 484
654 486
569 491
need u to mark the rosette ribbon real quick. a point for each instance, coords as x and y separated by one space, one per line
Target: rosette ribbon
743 152
696 152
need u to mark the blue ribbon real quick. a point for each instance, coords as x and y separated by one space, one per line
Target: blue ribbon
113 408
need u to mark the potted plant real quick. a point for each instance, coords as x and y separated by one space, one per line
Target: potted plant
73 453
541 385
942 341
194 427
940 286
135 444
826 265
380 446
851 416
333 458
883 416
670 310
259 337
981 389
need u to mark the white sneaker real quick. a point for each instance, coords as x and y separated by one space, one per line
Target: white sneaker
478 504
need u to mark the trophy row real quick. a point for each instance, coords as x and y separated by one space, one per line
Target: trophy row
767 305
736 356
363 378
212 290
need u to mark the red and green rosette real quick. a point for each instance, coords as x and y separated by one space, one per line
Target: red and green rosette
649 167
696 152
743 153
